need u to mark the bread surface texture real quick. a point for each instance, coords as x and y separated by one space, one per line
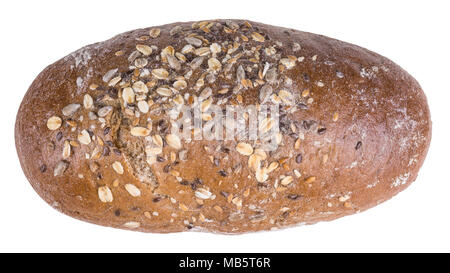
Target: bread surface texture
95 131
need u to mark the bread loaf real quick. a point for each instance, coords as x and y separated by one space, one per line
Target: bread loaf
99 132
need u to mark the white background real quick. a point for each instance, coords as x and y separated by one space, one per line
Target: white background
414 34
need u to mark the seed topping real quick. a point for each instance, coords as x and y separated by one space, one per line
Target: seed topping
118 168
53 123
105 194
173 141
244 148
132 190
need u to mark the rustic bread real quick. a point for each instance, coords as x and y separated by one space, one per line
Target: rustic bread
93 132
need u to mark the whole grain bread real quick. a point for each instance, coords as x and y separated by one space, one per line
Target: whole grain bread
93 132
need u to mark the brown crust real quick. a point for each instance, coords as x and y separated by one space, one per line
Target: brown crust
370 152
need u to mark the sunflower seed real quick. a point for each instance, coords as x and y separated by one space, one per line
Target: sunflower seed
187 49
264 93
173 62
54 123
92 115
84 137
70 109
105 194
109 75
266 68
132 190
193 41
114 81
196 62
240 74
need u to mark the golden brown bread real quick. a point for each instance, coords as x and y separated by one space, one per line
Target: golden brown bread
93 133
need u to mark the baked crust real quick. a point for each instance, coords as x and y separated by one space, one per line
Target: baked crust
354 130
